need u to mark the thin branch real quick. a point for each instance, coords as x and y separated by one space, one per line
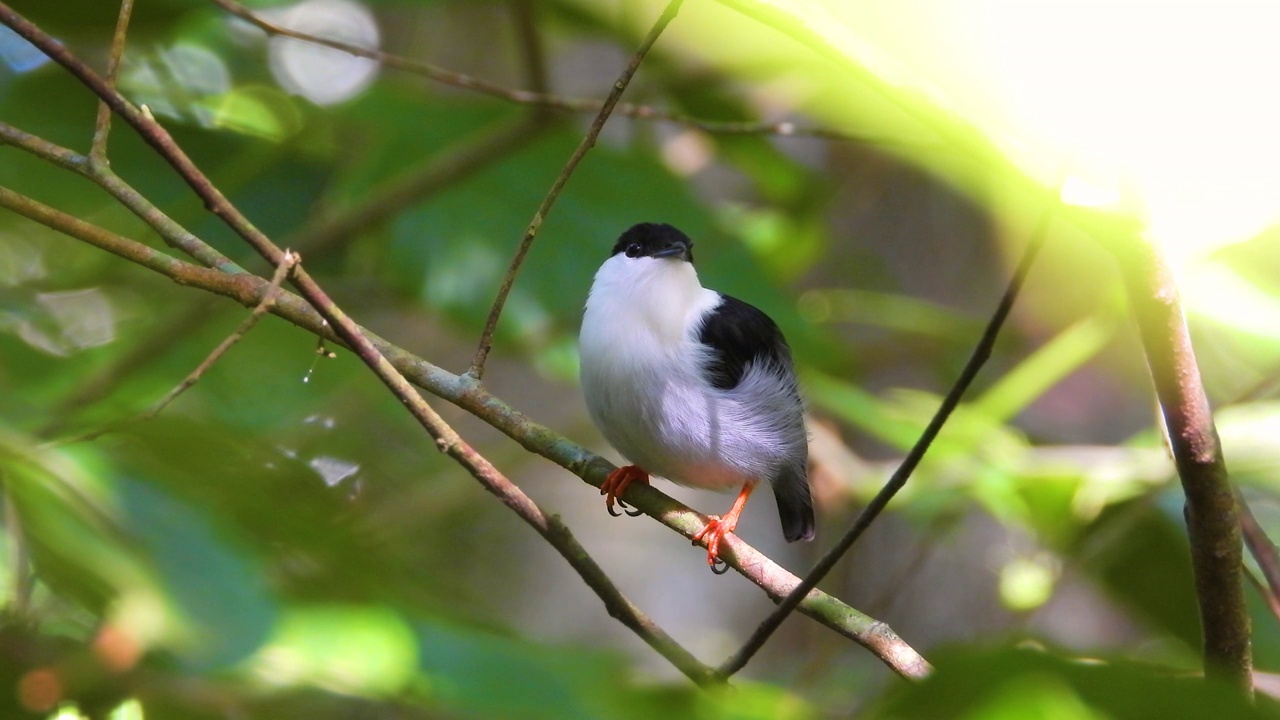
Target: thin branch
619 86
152 132
1264 552
899 478
538 99
155 345
324 234
101 174
1213 519
290 260
102 127
469 395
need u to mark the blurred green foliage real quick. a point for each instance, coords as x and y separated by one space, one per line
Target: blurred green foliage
281 542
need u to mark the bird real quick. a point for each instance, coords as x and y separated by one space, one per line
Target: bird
691 385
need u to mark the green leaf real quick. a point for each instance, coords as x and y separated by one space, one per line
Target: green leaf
999 683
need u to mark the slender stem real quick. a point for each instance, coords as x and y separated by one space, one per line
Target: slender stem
102 126
899 478
101 174
1263 551
158 341
329 231
290 260
619 86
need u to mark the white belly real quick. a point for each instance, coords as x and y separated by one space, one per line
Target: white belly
663 417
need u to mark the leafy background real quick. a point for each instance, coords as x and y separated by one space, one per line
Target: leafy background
283 541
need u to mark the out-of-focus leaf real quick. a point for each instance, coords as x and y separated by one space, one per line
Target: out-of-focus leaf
72 524
1043 369
859 408
368 651
211 576
1117 551
892 311
493 676
999 683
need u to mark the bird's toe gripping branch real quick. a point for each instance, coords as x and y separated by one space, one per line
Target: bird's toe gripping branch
718 527
616 484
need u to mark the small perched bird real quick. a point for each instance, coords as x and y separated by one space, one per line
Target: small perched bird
691 385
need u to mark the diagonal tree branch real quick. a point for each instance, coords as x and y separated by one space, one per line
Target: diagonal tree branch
468 394
619 86
899 478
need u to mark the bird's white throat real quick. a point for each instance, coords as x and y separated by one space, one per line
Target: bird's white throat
644 302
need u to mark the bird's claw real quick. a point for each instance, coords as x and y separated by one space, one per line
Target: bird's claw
714 531
626 509
616 484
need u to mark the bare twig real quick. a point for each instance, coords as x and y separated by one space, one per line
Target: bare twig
1264 552
538 99
328 232
102 127
287 263
469 395
290 260
1268 596
1213 519
101 174
899 478
619 86
160 339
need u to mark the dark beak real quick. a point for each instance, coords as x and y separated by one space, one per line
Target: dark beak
676 249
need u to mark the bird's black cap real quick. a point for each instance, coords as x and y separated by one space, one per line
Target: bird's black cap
657 240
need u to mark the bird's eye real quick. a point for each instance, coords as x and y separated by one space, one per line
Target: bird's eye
633 250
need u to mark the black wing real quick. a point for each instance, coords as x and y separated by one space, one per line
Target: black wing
738 334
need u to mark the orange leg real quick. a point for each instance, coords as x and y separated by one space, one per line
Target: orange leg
617 483
718 527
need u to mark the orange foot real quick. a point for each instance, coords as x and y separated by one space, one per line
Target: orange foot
616 484
718 527
714 532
